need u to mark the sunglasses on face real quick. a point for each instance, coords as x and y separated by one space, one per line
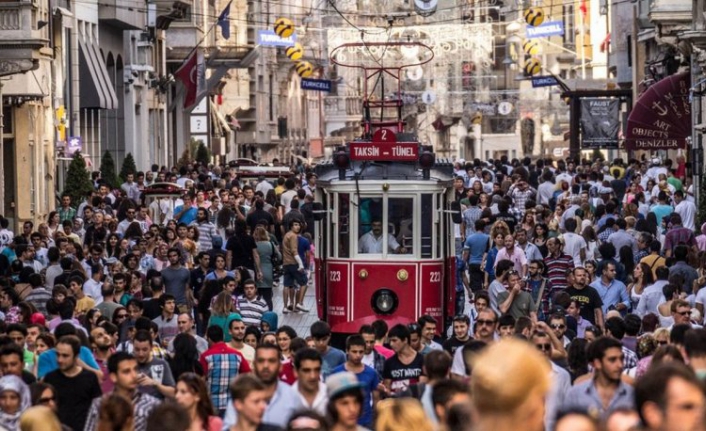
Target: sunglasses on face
558 326
486 322
544 347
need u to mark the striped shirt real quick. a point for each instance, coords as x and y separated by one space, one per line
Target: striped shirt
556 270
251 311
207 231
221 364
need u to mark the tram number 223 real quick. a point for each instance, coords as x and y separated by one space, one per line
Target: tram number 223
435 277
335 276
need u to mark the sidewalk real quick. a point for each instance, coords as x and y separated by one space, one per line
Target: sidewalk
301 322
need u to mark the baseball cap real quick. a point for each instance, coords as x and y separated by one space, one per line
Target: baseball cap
341 382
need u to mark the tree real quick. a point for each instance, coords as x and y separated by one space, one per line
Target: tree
128 167
202 154
78 180
185 159
108 170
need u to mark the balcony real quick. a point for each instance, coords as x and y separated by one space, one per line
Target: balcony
115 14
343 107
671 16
19 29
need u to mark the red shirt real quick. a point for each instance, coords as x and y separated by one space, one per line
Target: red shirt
286 372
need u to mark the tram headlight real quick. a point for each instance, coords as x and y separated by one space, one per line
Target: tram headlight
385 301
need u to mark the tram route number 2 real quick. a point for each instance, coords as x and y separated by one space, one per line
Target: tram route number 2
435 277
334 276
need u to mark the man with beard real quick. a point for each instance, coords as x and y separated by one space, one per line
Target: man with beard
284 400
460 325
372 357
75 387
207 230
368 378
237 341
103 349
605 392
587 297
124 375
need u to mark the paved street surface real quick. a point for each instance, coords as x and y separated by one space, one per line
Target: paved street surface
301 322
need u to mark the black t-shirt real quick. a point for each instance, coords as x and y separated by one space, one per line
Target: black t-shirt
254 217
452 344
74 396
589 299
242 246
403 376
151 308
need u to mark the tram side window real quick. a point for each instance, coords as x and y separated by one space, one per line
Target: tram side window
427 220
400 213
344 231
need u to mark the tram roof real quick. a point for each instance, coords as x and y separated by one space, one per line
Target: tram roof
442 171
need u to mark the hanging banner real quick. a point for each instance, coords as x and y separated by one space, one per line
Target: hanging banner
600 123
661 117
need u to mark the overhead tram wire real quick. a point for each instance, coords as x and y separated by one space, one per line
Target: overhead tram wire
458 20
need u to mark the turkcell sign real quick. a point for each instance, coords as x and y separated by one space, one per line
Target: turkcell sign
544 81
316 84
384 151
270 38
551 28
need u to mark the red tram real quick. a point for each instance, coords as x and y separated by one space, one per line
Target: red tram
384 249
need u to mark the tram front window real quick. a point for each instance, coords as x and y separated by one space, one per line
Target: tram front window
396 228
372 242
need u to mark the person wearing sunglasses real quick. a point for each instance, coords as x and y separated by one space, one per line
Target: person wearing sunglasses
561 379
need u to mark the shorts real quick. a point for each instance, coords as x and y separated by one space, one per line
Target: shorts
293 278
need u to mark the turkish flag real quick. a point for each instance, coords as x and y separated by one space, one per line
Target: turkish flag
191 74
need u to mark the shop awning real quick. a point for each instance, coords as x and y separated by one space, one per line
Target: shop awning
661 118
96 89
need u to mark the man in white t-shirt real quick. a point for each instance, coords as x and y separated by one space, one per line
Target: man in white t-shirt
686 209
574 244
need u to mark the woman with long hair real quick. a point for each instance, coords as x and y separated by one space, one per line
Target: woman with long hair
642 277
222 314
285 334
220 272
578 358
266 250
186 356
112 246
627 259
53 223
192 395
528 223
589 235
498 244
539 238
91 319
39 418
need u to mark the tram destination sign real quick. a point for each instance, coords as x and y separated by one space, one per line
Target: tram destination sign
384 151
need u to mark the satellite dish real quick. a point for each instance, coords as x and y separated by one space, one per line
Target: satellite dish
428 97
504 108
415 73
425 7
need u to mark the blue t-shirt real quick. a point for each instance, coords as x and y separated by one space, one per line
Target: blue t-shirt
477 245
661 211
303 245
189 215
331 360
370 380
48 363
